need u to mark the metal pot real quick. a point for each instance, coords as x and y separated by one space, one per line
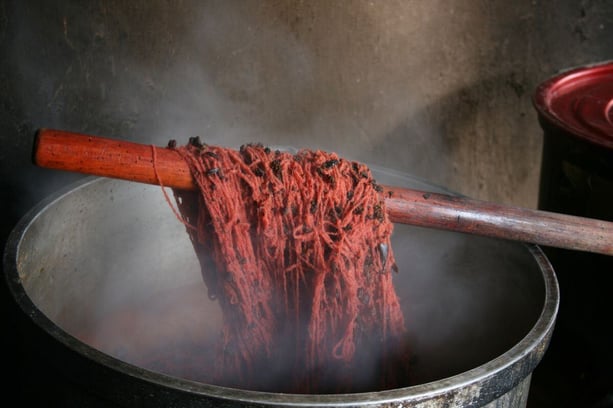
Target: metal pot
112 297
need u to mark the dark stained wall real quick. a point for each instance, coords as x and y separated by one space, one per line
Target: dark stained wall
441 90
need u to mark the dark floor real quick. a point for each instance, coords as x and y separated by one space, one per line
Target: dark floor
568 377
577 370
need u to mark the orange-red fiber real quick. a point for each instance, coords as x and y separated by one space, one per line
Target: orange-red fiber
296 249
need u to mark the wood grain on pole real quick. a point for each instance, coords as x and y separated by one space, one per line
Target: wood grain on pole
100 156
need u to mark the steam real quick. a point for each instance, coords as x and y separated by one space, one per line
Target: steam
234 75
233 81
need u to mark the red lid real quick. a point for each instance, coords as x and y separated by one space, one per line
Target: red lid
580 101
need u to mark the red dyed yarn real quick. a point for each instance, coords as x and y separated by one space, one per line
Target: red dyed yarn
296 248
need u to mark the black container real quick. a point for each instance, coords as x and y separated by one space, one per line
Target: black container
575 110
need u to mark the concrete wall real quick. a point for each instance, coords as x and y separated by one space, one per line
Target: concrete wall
438 89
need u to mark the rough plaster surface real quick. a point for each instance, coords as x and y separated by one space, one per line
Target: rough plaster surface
438 89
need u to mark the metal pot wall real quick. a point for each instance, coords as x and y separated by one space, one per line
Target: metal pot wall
111 295
575 111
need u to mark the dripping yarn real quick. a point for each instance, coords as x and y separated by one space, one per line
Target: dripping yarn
296 249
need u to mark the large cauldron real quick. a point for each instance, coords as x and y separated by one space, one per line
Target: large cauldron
116 312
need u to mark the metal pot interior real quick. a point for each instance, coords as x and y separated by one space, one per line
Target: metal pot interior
109 264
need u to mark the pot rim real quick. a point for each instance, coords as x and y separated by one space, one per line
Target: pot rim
575 81
522 357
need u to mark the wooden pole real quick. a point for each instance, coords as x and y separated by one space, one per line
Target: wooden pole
57 149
